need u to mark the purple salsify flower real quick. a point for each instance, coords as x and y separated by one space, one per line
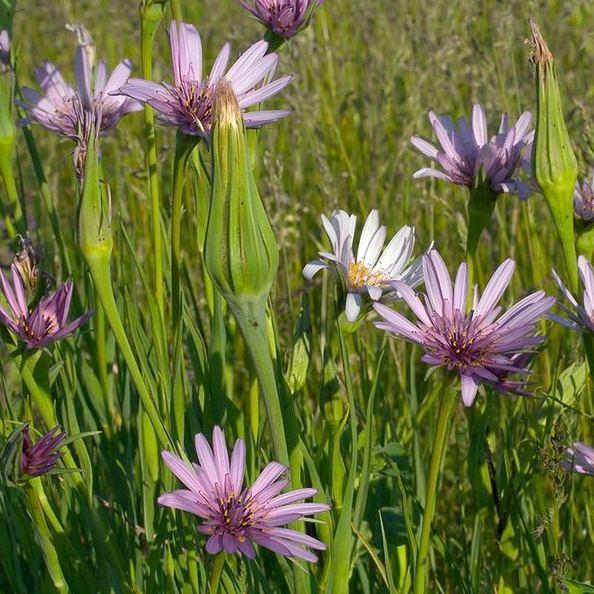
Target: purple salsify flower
583 200
188 102
581 317
283 17
580 458
236 517
42 456
45 323
73 112
371 272
467 150
480 345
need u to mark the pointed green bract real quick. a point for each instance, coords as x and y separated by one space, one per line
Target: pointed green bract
553 160
240 251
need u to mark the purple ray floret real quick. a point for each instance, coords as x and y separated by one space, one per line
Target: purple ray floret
43 324
235 517
481 345
73 112
580 458
579 316
466 150
284 17
188 102
583 200
42 456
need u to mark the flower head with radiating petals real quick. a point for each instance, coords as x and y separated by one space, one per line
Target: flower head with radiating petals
466 151
480 345
188 102
581 317
580 458
283 17
42 456
367 273
47 322
583 200
235 517
74 112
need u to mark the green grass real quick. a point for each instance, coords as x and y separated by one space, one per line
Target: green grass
366 74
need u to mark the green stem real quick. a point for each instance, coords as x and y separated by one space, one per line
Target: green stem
480 210
100 343
446 408
44 536
217 572
12 193
176 10
251 319
152 15
101 275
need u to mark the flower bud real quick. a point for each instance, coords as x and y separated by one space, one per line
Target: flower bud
240 251
553 160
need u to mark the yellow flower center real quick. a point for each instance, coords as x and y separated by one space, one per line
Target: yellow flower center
360 275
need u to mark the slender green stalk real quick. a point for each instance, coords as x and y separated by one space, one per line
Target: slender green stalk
217 572
251 318
44 536
183 148
480 210
15 218
151 16
446 408
101 276
100 344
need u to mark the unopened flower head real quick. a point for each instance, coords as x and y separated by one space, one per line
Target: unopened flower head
235 518
579 316
75 112
583 200
43 324
42 456
283 17
467 152
370 272
580 458
480 345
188 102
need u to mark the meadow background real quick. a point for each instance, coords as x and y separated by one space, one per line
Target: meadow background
367 73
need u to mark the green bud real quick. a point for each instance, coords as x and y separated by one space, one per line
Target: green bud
240 250
553 160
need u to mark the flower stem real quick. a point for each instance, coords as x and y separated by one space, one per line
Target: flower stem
101 275
151 16
251 319
184 146
217 572
446 408
101 340
12 193
44 536
480 210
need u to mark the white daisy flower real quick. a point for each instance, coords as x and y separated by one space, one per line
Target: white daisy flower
369 273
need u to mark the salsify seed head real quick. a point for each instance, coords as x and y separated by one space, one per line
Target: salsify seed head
480 345
237 517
